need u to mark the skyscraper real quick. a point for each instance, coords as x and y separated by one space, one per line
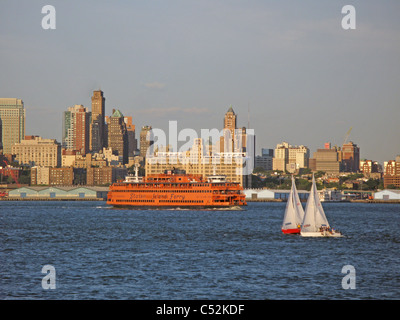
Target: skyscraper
118 135
230 120
132 141
351 157
98 138
327 160
227 140
145 140
12 118
76 128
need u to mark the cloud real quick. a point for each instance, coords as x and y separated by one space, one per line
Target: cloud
161 112
155 85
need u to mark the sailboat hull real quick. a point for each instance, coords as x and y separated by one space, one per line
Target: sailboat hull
291 231
321 234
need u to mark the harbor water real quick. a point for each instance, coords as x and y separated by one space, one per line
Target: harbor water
99 252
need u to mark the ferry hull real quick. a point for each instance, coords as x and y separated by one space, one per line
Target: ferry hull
233 207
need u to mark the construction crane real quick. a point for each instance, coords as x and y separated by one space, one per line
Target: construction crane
346 136
12 173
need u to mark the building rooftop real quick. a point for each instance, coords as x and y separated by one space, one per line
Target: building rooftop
117 114
389 190
67 188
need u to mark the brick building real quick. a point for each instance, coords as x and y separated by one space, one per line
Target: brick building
351 157
391 175
104 175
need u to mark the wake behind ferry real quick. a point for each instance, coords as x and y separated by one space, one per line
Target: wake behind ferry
176 189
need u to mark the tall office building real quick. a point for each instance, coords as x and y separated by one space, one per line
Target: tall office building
76 129
145 140
230 120
98 137
281 157
132 141
12 119
351 157
118 135
236 140
327 160
227 140
265 160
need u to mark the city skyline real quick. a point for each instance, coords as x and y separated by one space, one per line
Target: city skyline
302 78
228 124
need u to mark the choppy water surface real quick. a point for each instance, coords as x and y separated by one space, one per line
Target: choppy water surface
104 253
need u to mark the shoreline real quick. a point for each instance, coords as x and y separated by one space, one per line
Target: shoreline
344 201
247 200
52 199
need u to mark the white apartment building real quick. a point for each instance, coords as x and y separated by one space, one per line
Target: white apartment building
290 158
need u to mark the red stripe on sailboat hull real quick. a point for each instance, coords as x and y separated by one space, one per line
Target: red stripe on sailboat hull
291 231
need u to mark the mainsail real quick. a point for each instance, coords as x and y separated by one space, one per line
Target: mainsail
314 216
294 212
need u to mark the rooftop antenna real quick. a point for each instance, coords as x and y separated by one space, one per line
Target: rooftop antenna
248 116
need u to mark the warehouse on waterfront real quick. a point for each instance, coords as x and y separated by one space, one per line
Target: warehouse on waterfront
59 193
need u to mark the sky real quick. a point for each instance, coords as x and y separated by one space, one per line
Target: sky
288 68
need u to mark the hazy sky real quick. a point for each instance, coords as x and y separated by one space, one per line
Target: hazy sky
303 77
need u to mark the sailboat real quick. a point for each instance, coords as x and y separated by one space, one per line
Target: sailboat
315 223
294 212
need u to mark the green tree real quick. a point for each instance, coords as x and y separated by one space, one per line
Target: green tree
256 182
373 184
319 174
303 184
260 170
305 171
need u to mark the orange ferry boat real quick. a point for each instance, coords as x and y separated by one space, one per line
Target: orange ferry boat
174 189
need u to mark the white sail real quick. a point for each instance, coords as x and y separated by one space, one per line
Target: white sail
314 216
294 212
299 207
